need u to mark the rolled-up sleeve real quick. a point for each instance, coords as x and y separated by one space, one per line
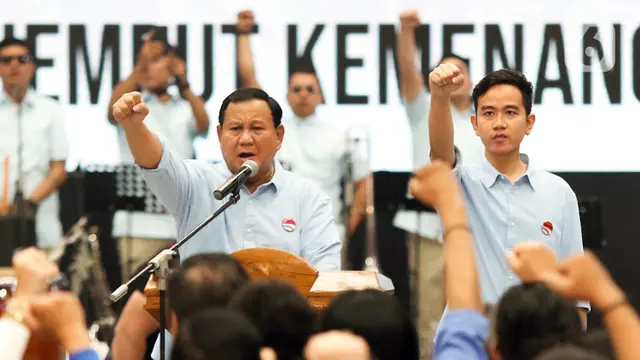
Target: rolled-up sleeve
170 181
320 239
461 336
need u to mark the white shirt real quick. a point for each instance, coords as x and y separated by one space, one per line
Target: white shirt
14 338
173 119
426 224
44 140
317 150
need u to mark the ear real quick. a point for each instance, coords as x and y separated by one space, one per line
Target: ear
531 119
280 135
219 130
474 123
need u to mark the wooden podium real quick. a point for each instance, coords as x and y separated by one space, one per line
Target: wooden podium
319 287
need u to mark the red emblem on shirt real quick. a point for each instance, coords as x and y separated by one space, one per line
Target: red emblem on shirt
288 224
547 228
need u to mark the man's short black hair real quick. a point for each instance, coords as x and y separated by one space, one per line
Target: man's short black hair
281 313
508 77
303 67
454 56
11 41
217 334
246 94
378 318
204 281
570 352
531 318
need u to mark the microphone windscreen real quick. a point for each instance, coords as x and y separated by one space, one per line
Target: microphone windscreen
252 165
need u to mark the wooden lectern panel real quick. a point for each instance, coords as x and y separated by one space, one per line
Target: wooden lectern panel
319 287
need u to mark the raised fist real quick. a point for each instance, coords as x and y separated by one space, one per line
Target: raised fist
409 20
445 79
130 109
245 21
435 184
530 260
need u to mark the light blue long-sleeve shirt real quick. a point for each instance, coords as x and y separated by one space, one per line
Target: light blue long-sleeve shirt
288 213
462 336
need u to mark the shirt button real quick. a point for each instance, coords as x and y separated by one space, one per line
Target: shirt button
510 277
513 224
250 201
249 230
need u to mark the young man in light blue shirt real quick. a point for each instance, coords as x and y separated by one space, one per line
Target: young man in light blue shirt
509 201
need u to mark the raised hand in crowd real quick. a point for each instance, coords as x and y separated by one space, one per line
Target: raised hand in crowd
130 110
245 22
33 271
61 313
530 260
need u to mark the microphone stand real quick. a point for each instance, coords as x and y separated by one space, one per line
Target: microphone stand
160 266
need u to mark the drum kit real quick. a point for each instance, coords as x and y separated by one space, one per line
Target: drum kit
81 272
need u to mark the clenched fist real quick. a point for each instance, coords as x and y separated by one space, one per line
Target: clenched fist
245 21
409 20
130 109
435 184
445 79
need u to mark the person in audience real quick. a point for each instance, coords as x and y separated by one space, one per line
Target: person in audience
424 227
464 328
32 310
509 200
282 315
570 352
276 208
34 139
530 319
337 345
219 334
378 318
202 281
598 341
178 118
584 277
315 147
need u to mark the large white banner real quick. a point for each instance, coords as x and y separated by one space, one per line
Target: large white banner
587 120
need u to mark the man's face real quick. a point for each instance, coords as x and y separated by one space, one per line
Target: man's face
16 66
465 90
248 133
501 120
304 94
157 74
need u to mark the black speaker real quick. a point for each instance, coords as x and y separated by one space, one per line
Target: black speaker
591 223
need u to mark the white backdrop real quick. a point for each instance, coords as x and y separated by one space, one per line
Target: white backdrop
576 137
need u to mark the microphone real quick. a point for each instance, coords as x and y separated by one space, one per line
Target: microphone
249 169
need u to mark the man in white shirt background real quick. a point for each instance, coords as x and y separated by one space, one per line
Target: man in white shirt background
178 116
34 139
424 227
314 147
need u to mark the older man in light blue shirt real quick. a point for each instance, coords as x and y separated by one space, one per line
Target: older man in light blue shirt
509 201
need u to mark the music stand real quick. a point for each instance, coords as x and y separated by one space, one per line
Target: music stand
132 194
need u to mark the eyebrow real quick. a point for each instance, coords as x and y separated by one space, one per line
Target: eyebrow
491 107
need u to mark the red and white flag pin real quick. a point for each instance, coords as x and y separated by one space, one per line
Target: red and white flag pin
288 224
547 228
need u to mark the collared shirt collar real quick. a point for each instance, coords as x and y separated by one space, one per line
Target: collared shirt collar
29 99
309 120
277 180
489 174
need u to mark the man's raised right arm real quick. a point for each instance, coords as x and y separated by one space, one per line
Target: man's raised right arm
244 56
444 80
411 81
165 173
